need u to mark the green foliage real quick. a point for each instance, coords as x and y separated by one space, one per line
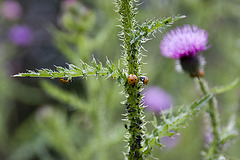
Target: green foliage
87 141
59 133
133 37
54 128
176 119
225 88
32 141
84 71
82 36
66 97
78 19
230 131
79 37
150 27
172 123
219 137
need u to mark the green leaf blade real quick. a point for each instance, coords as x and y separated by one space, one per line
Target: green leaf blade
72 71
225 88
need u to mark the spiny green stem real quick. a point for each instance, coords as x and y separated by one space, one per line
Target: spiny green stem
215 146
134 117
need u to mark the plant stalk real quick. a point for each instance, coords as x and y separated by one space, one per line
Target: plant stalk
215 147
134 118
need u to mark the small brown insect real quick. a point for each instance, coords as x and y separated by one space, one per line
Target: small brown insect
201 73
64 81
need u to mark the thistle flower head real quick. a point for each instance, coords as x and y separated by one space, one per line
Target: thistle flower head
184 42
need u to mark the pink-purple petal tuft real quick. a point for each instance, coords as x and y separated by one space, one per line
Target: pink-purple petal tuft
184 41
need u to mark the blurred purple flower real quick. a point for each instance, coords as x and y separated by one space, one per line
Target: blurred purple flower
21 35
69 3
208 137
184 42
169 142
11 10
157 99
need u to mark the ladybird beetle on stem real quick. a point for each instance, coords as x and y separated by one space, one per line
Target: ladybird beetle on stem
132 79
144 79
64 81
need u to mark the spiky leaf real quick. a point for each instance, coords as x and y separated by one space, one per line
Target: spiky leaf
74 71
225 88
150 27
230 131
171 123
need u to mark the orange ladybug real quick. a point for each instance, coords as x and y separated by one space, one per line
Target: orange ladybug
144 79
64 81
132 79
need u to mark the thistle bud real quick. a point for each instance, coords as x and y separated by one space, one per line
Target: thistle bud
185 44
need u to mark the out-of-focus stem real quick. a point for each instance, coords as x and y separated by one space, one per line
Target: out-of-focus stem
215 146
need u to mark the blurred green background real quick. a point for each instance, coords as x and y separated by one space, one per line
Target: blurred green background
43 119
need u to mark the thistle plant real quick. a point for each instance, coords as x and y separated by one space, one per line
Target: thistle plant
185 44
129 75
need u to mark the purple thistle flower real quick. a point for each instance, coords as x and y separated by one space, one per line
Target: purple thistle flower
157 99
11 10
20 35
169 142
184 42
